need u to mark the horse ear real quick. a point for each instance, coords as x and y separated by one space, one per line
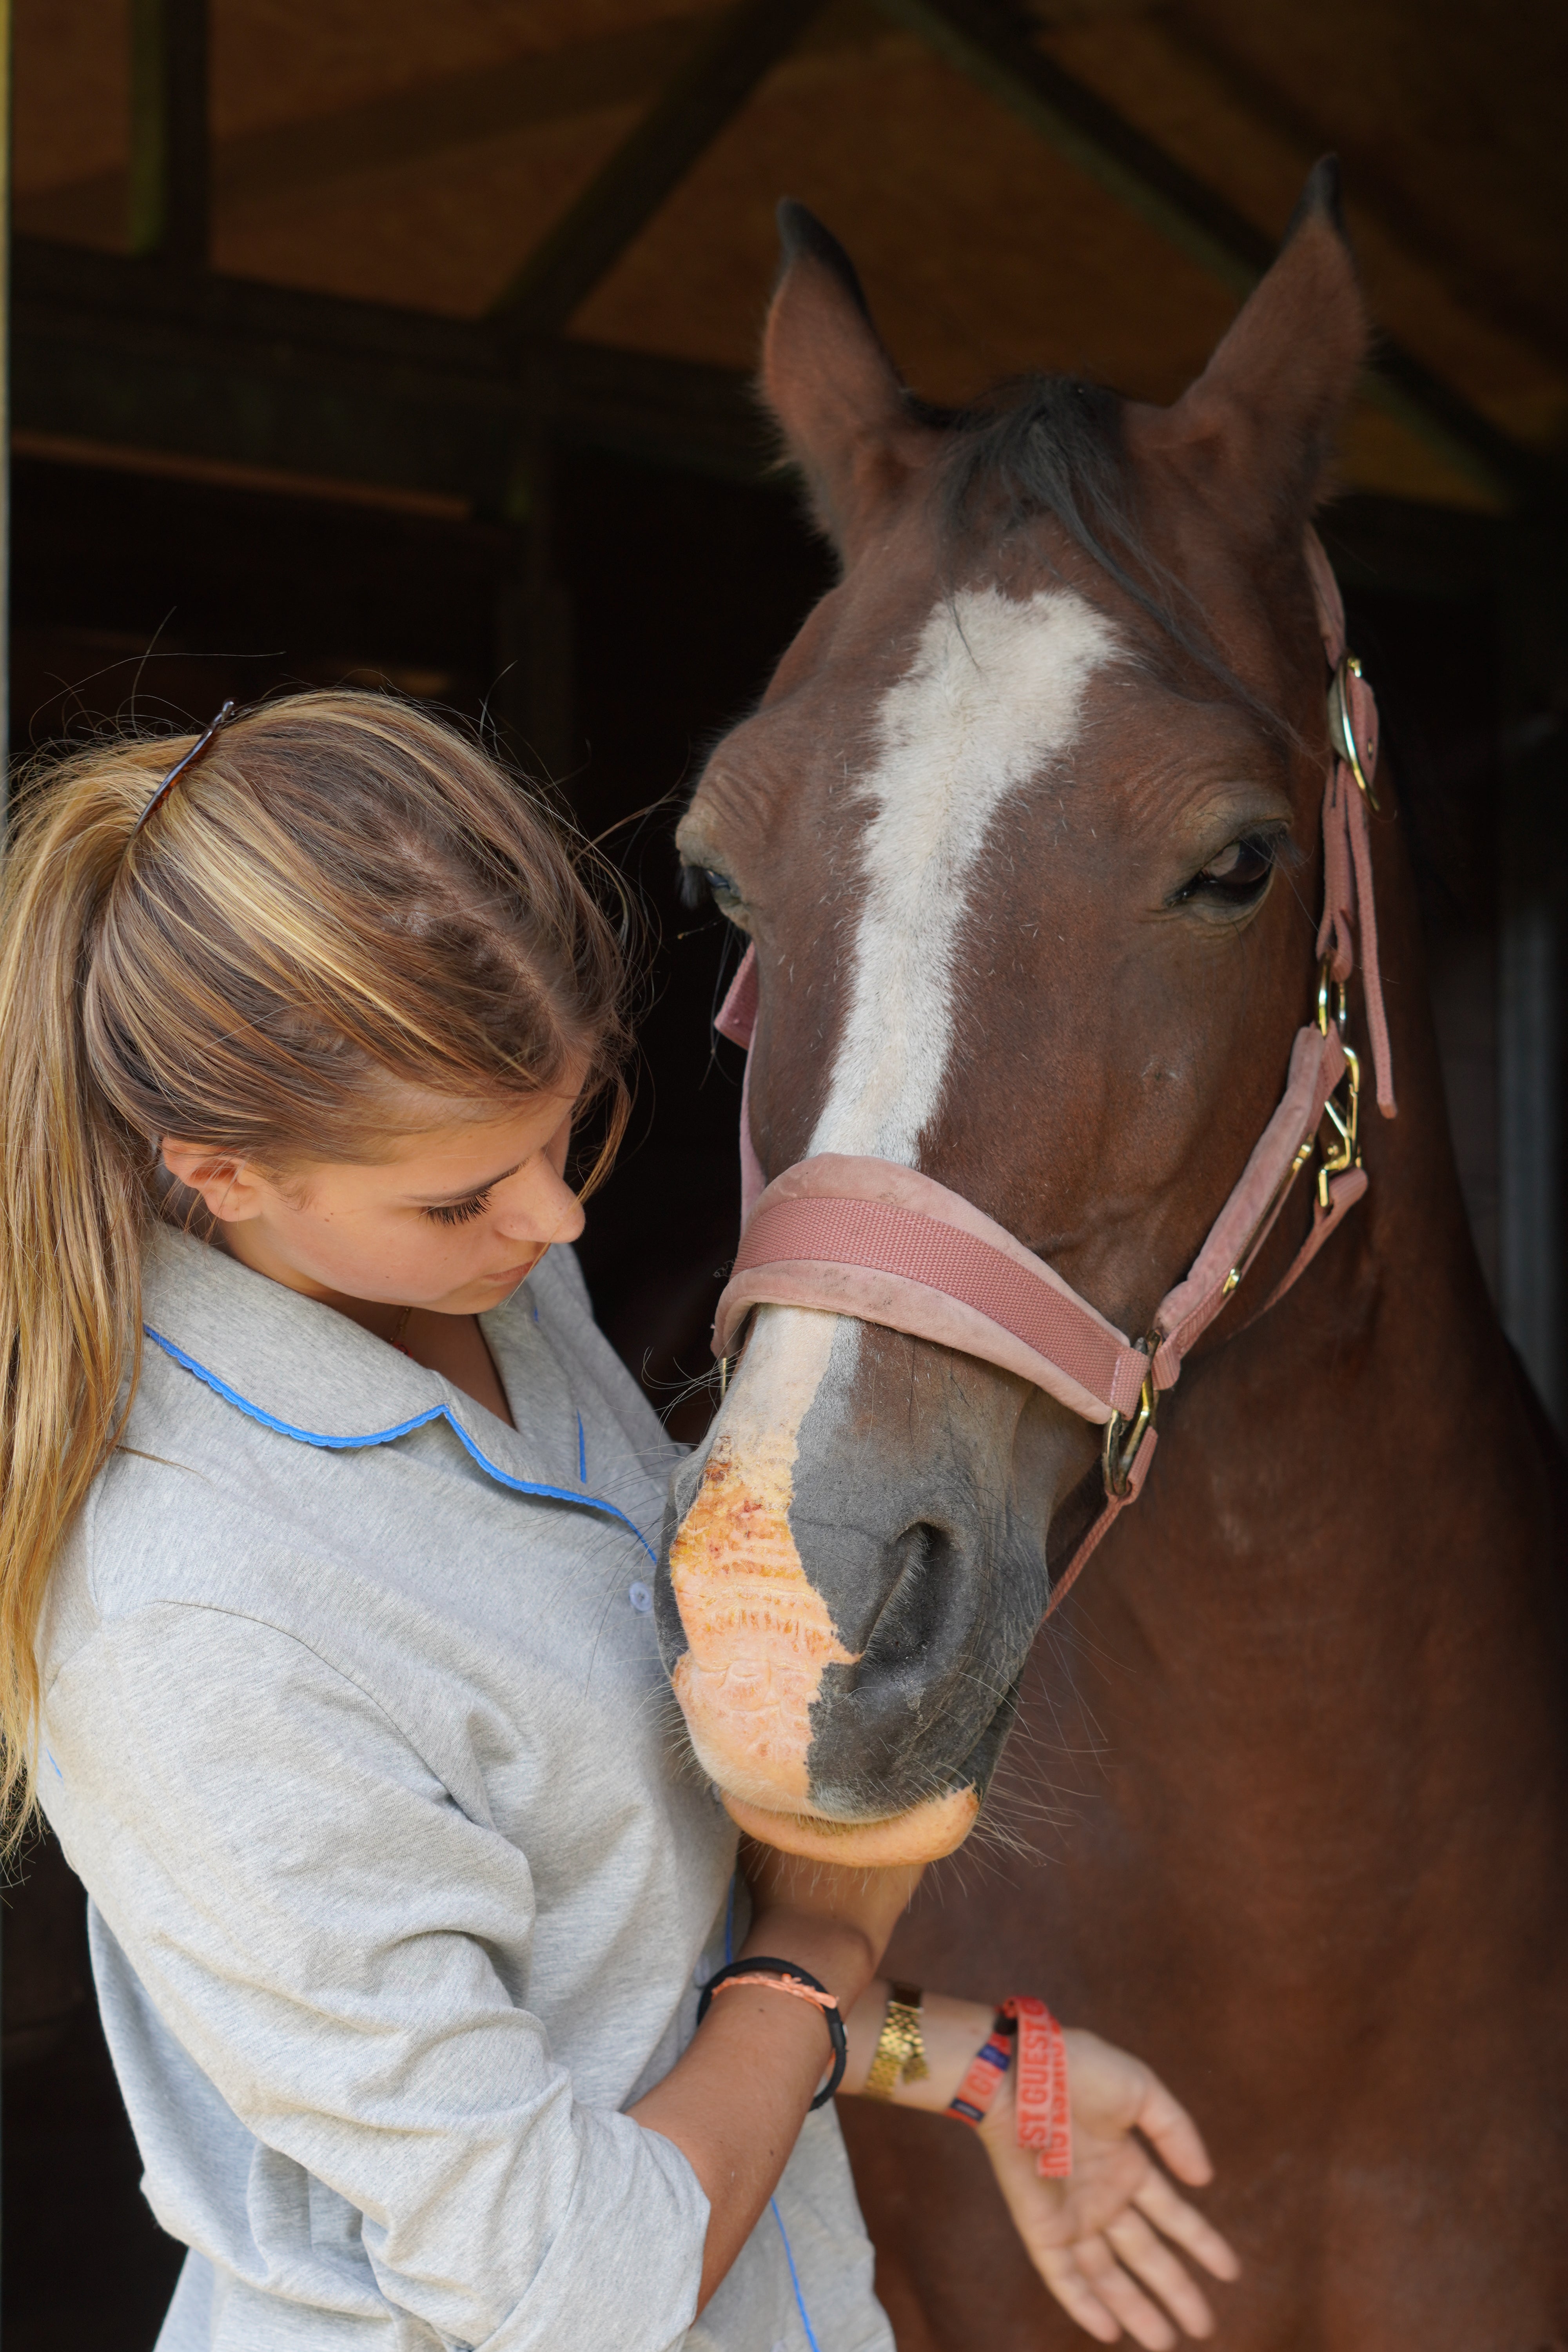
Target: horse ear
827 380
1259 426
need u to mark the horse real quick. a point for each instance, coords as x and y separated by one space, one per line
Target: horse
1025 836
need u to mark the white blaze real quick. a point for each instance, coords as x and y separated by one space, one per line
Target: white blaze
992 696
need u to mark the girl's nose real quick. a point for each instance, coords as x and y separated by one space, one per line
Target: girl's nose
538 1206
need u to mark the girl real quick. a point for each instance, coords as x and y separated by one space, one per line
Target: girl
324 1564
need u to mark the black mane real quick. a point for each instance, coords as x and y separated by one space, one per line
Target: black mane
1053 446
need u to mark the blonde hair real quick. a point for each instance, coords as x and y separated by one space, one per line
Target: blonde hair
343 894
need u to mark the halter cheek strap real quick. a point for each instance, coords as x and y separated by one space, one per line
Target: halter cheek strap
887 1245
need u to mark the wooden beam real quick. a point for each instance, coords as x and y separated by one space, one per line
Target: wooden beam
706 93
1378 198
984 40
232 372
169 187
445 115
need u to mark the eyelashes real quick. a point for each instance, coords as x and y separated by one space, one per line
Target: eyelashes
699 883
459 1212
1240 875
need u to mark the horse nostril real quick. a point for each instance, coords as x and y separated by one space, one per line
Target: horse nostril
909 1623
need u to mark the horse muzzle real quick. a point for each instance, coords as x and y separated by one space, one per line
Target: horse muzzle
844 1615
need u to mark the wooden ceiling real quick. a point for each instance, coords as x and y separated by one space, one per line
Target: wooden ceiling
413 155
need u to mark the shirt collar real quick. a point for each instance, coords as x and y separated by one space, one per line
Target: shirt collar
302 1369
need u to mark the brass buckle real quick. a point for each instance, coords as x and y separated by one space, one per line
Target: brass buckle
1342 733
1344 1117
1116 1459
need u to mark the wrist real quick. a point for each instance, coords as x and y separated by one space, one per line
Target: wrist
998 2127
950 2031
837 1953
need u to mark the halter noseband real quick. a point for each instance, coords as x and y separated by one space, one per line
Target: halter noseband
870 1239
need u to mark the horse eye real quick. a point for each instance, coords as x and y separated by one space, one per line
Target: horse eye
718 886
699 883
1238 873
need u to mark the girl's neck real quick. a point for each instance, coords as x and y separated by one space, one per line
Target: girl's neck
452 1345
455 1346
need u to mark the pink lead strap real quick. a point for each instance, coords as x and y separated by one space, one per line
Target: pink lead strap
887 1245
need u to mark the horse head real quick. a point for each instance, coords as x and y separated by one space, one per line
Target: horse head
1024 832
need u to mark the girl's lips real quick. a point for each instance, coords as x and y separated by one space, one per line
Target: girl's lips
513 1274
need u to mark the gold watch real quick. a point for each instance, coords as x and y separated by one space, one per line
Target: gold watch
900 2055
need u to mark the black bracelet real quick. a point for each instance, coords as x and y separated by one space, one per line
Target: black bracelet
831 2017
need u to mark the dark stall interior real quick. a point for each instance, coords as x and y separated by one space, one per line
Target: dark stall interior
239 592
285 412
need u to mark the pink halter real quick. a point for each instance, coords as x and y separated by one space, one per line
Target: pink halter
870 1239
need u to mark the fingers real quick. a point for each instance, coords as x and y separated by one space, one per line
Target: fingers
1185 2226
1117 2293
1077 2298
1151 2261
1168 2127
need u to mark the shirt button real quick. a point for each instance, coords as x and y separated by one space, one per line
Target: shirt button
641 1598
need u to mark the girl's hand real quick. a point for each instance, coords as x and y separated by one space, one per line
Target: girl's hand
1102 2239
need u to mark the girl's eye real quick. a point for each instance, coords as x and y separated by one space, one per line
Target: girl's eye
1238 875
459 1212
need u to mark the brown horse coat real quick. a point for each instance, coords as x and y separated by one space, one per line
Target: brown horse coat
1025 832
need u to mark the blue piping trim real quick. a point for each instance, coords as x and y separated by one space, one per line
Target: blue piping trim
582 1453
773 2201
385 1436
794 2276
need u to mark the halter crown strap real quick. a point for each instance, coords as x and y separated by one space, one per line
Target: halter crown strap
1347 847
886 1244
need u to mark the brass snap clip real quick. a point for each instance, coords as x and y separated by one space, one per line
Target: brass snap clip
1118 1456
1344 1152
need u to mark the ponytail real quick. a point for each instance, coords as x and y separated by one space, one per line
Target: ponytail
344 898
73 1211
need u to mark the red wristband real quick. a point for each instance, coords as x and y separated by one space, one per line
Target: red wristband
971 2103
1045 2121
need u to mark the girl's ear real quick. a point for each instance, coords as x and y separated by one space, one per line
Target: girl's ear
834 391
229 1188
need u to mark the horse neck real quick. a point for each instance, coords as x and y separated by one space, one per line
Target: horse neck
1357 1508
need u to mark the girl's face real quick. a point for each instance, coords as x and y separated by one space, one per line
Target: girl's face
451 1220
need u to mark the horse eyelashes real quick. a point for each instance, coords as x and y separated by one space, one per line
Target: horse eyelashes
1239 874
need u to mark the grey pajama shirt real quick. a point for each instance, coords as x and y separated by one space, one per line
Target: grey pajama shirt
401 1877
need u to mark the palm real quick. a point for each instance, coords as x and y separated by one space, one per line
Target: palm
1102 2239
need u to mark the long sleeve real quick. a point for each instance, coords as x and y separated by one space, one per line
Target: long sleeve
314 1921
